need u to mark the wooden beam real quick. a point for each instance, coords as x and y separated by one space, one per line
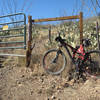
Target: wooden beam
56 19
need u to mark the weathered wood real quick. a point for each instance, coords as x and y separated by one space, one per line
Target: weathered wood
49 35
28 52
55 19
97 32
81 26
29 31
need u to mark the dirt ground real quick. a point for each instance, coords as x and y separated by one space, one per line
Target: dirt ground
20 83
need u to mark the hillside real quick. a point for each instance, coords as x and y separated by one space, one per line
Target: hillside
20 83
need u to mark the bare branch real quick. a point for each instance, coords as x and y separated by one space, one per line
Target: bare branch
24 5
97 3
83 2
29 6
94 7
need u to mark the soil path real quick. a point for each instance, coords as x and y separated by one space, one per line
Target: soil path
20 83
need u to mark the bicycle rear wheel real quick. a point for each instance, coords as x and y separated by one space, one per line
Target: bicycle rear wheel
54 61
93 64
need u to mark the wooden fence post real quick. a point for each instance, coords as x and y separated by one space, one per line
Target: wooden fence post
50 35
81 27
97 32
29 49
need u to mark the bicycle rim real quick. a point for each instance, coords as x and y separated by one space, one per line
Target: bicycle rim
54 63
93 64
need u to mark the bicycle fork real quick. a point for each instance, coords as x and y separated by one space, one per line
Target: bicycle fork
56 57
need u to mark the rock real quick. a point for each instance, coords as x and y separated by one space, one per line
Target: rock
48 99
40 91
59 87
53 86
66 85
53 97
32 92
72 82
22 76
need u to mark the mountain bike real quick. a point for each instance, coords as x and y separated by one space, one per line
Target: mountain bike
88 62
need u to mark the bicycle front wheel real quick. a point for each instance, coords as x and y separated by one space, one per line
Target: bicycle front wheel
93 63
54 61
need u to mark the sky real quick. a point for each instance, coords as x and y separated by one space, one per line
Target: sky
49 8
56 8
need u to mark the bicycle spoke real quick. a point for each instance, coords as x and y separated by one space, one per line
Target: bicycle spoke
93 64
54 62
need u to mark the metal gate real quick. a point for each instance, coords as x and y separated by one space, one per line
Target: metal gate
13 31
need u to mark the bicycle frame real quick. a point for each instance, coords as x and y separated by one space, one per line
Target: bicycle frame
65 45
79 50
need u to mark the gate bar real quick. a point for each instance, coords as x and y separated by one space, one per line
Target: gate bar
17 55
12 22
8 36
23 47
12 15
11 42
13 29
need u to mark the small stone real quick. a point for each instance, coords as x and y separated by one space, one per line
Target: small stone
42 80
18 82
66 85
23 76
53 97
53 86
72 82
40 91
48 99
32 92
58 87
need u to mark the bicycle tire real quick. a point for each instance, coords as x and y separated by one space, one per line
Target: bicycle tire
93 66
56 67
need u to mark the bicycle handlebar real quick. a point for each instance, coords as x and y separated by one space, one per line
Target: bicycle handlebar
86 42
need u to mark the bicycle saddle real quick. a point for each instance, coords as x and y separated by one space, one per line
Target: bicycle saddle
59 39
